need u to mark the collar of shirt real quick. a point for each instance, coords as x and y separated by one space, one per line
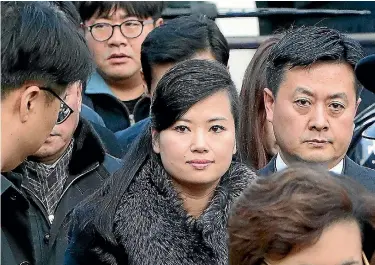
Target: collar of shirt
280 165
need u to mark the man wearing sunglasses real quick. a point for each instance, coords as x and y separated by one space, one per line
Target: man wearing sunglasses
114 32
34 78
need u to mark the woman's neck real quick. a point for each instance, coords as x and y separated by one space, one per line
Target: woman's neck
195 197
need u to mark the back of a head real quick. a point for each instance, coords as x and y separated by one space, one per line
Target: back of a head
305 46
252 110
70 11
290 210
180 39
55 55
140 9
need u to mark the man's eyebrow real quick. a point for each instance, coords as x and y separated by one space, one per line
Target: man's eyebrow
350 262
339 95
304 91
108 16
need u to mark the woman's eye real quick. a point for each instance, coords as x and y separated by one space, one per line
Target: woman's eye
181 129
217 128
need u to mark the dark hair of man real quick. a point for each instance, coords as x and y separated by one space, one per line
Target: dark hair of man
180 39
290 210
54 56
70 11
140 9
252 109
305 46
184 85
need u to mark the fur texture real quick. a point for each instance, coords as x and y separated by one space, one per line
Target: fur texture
152 226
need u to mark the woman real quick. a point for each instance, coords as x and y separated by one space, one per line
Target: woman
182 179
258 144
302 216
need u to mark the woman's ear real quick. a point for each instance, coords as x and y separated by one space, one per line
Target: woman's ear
235 148
155 141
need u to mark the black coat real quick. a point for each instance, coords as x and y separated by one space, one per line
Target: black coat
16 239
362 175
89 166
114 112
152 227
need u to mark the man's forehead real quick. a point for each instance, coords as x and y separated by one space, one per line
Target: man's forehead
116 12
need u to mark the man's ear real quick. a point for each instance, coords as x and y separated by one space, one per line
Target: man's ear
155 141
159 22
30 98
235 148
269 103
357 105
79 96
144 84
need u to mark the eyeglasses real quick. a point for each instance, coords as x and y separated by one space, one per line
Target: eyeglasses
65 110
129 29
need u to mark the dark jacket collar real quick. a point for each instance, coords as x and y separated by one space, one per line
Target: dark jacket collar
88 148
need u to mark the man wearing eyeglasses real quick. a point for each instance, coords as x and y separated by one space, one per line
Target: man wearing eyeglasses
70 165
34 78
115 32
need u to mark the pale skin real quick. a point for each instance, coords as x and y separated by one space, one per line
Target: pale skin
339 244
313 113
123 75
27 118
159 70
194 150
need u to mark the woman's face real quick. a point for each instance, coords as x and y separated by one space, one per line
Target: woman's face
197 149
339 244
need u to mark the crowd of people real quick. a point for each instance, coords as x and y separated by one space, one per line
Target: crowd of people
125 141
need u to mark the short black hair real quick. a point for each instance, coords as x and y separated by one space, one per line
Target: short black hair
179 39
70 11
141 9
305 46
40 43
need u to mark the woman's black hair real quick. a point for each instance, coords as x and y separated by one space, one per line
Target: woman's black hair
184 85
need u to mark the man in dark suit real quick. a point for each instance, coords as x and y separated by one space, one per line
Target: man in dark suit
312 99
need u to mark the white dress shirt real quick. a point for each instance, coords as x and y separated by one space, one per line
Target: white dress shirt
280 165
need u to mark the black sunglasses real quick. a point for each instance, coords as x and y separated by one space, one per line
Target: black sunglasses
65 110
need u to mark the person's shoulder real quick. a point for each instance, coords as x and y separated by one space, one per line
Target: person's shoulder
362 175
89 114
111 163
126 137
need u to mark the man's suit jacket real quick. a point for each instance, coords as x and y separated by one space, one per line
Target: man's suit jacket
362 175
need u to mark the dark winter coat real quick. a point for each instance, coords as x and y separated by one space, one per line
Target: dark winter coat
99 97
89 167
152 227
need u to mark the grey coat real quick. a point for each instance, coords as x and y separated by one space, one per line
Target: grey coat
152 226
